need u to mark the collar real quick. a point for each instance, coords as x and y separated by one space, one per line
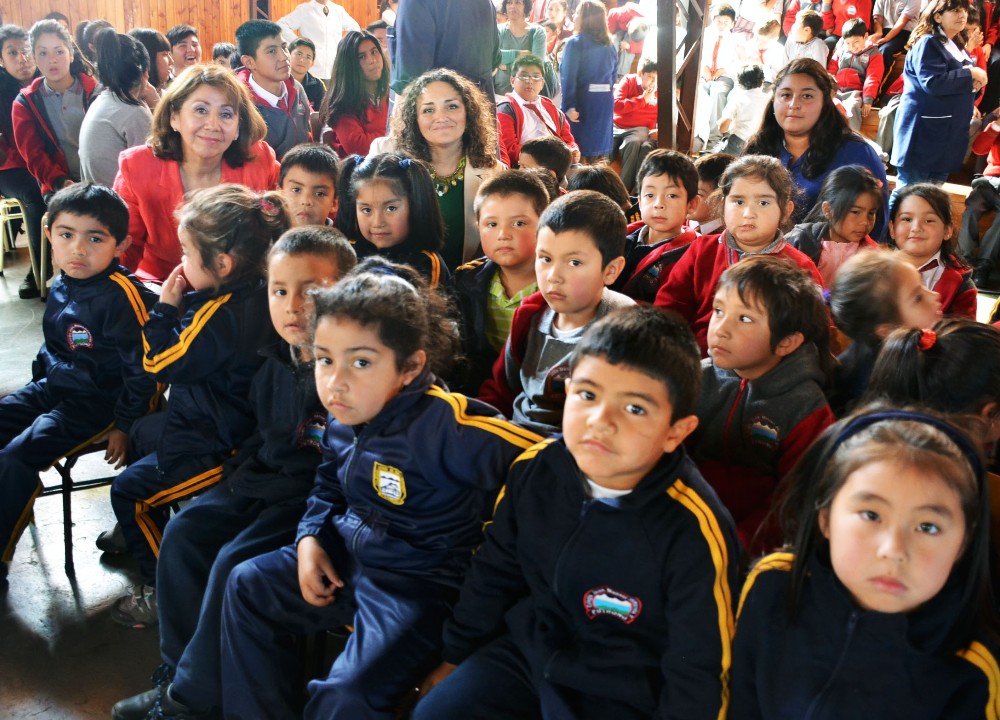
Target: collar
270 97
772 248
76 88
524 103
112 268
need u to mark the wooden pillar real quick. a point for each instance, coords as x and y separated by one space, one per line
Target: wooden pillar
678 69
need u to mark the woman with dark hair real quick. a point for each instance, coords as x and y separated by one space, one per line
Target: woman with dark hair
161 62
89 45
805 130
588 70
118 119
517 38
448 123
206 131
356 107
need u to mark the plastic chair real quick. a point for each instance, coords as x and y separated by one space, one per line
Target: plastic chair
11 209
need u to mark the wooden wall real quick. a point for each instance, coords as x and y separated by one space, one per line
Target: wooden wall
216 20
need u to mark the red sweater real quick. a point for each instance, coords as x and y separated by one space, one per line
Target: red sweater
862 71
631 110
351 135
152 189
690 288
958 294
843 10
988 141
618 20
510 118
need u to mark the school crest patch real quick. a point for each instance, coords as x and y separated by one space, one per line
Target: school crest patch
389 484
310 433
78 337
608 601
763 432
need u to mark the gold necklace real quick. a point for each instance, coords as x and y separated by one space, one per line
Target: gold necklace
443 184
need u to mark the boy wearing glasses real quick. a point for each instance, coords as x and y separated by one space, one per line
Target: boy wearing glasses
526 114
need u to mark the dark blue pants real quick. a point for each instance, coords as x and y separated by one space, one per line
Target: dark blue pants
396 641
20 184
36 428
141 497
201 546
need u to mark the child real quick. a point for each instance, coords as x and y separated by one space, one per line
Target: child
770 53
892 23
719 59
603 583
668 193
390 209
489 290
874 292
839 224
578 254
88 377
279 97
842 12
203 337
256 506
887 521
547 153
185 48
762 401
603 179
301 56
858 69
805 41
757 201
984 197
636 114
396 511
707 217
921 229
744 109
222 53
308 183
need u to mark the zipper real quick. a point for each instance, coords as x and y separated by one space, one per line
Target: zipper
729 420
584 508
852 623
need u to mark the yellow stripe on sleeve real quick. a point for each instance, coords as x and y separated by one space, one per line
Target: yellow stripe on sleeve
982 658
712 533
135 300
435 268
774 561
507 430
187 336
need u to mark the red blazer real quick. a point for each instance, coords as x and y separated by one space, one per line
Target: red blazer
351 135
958 294
988 141
510 117
630 109
152 189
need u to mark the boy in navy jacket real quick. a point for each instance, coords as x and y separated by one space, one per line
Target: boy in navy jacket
88 380
605 585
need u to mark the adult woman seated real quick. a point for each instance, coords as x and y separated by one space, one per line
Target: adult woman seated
805 130
356 107
206 131
446 121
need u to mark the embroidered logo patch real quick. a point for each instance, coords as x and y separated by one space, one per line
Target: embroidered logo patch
608 601
311 431
389 484
78 337
763 432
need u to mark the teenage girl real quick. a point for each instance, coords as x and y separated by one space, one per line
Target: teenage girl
389 208
356 107
875 292
393 519
921 229
849 203
52 149
202 338
882 605
757 202
932 124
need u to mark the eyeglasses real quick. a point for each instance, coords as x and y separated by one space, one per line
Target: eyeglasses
529 78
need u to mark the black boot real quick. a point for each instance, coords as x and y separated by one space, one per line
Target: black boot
29 288
981 272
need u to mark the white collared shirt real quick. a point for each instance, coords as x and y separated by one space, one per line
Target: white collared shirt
532 127
325 30
270 97
932 276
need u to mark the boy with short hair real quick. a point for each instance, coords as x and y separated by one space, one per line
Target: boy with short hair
706 219
308 182
578 253
279 97
380 29
607 578
805 40
762 401
892 23
261 498
668 194
222 52
744 109
88 380
858 70
719 58
635 117
490 289
302 56
185 49
547 153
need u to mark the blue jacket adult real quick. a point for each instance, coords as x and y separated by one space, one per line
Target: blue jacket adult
932 123
408 492
838 661
588 72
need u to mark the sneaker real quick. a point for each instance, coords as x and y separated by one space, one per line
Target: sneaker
137 610
28 289
112 541
138 707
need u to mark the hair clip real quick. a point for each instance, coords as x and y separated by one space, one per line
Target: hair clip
927 339
872 176
267 207
405 163
826 296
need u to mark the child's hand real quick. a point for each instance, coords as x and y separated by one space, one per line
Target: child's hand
436 676
573 114
318 581
975 39
865 110
117 446
173 287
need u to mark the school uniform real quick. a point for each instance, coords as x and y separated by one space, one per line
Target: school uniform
839 661
812 240
647 267
751 432
583 607
958 293
797 6
588 73
353 135
851 376
428 263
690 288
86 380
398 505
859 77
209 357
287 116
511 117
634 119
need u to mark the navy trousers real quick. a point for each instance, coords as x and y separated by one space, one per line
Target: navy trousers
201 546
36 428
396 640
